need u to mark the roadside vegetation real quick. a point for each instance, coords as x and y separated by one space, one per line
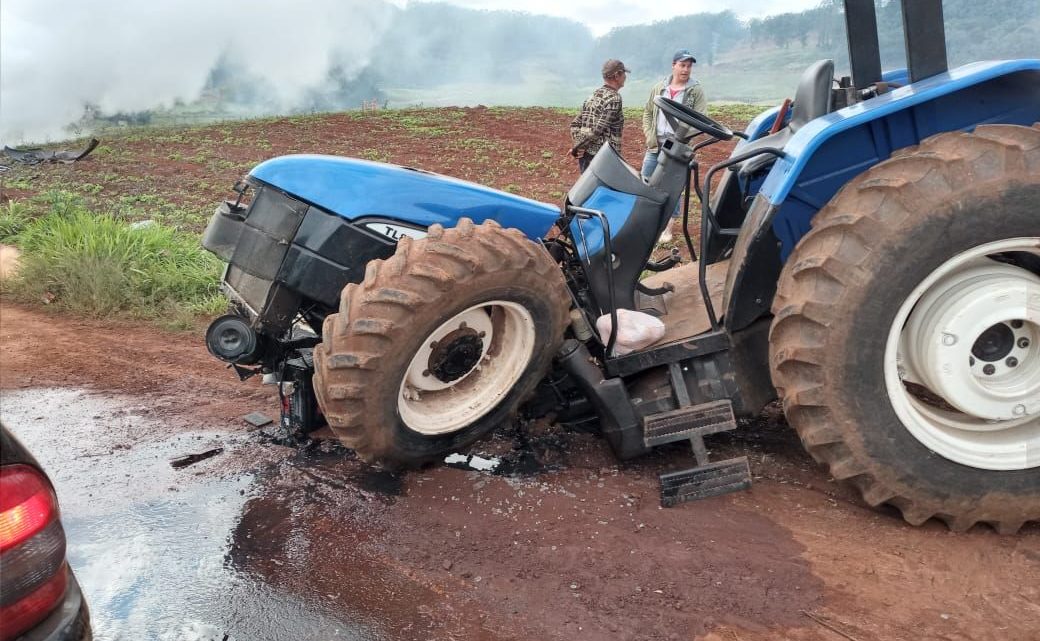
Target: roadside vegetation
117 234
99 266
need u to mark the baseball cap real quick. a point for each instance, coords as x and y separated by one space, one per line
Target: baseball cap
683 54
612 66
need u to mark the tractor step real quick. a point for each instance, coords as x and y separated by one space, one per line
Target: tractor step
705 481
687 422
692 423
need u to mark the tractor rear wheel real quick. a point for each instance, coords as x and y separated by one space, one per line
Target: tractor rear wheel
440 343
905 343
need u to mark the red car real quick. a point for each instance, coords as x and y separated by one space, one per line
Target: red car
40 599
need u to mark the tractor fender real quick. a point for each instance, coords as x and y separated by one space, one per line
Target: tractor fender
831 150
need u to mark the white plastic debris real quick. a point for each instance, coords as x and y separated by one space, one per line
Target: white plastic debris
636 330
473 461
483 464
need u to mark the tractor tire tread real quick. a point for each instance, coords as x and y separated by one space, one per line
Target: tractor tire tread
830 258
379 311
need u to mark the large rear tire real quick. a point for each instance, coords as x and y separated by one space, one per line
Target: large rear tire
440 343
905 339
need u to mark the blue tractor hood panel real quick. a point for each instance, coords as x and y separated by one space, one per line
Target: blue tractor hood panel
357 189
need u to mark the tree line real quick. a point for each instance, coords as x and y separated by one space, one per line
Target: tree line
430 45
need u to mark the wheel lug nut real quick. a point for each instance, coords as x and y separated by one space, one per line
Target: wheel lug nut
1023 342
989 370
1011 362
1017 324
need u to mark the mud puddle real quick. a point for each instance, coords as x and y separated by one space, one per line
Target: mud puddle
165 553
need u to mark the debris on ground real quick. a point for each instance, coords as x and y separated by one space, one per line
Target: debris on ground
472 462
192 459
36 156
257 419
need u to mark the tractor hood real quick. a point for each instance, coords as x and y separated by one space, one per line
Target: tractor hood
357 189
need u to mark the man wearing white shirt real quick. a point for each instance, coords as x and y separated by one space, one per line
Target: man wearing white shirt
679 87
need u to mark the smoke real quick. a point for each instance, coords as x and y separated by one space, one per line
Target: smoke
601 17
126 55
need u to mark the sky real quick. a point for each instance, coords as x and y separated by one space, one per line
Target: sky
600 16
132 55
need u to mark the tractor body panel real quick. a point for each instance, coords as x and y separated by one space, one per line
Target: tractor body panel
355 189
616 206
761 124
758 127
830 151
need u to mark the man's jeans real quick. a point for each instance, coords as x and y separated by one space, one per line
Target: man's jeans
649 164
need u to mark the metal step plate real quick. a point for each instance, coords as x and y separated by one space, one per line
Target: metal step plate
704 481
681 424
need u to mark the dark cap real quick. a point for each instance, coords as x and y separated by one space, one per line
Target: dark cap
683 54
612 67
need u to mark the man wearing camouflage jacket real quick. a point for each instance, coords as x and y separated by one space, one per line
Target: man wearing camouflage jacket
600 120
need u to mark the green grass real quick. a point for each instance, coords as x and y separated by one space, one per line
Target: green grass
736 111
100 266
14 217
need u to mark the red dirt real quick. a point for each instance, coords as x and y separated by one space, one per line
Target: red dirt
583 552
172 371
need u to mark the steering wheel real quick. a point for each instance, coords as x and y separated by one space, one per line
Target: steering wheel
674 110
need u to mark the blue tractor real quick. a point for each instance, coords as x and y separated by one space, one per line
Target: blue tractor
871 257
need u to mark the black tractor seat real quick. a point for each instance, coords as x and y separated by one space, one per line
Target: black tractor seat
609 170
811 100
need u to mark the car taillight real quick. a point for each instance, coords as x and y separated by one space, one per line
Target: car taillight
32 550
26 504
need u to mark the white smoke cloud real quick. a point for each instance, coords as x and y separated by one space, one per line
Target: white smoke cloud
127 55
603 15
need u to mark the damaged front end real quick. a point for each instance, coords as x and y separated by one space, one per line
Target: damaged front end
252 235
287 261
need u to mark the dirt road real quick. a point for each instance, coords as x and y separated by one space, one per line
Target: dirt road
575 548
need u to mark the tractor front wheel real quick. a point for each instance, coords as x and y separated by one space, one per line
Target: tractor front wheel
906 339
440 343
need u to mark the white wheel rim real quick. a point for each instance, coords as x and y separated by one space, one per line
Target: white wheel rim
962 360
466 367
